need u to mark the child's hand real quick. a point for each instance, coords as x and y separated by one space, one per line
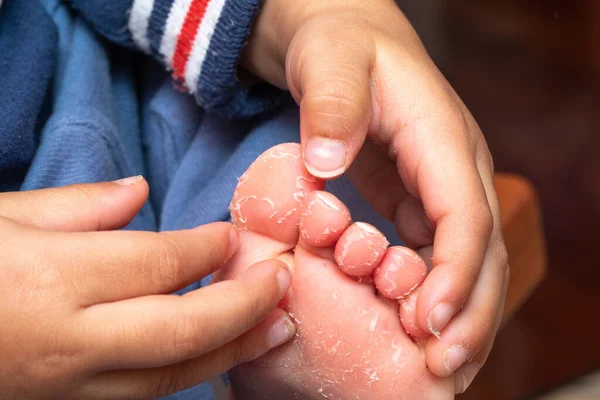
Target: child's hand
86 314
358 70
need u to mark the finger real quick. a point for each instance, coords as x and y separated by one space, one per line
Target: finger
155 331
273 331
373 170
112 266
454 199
465 375
331 82
469 330
82 207
479 320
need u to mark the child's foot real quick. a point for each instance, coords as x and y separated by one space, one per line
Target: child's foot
350 343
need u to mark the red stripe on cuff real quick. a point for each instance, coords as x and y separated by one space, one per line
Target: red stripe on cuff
187 36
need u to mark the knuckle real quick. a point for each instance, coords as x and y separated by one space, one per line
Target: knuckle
338 99
251 306
179 378
86 191
167 382
167 256
54 367
238 354
181 338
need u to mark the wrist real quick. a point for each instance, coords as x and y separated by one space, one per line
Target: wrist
273 31
279 21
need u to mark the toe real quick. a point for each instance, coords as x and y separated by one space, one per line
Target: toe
408 316
323 219
360 249
270 194
401 271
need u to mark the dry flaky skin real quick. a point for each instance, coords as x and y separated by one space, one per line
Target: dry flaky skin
350 343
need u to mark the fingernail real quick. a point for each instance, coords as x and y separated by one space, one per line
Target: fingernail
234 241
325 158
454 357
439 318
465 377
282 331
284 280
132 180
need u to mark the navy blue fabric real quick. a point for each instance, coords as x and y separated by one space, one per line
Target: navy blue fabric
27 63
109 18
92 133
156 25
219 91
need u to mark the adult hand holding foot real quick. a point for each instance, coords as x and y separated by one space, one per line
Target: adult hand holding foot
87 313
358 70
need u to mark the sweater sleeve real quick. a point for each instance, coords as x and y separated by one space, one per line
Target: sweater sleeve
199 41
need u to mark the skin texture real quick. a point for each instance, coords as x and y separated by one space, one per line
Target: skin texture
86 308
381 111
350 343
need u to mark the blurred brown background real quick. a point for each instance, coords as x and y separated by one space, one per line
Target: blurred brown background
530 73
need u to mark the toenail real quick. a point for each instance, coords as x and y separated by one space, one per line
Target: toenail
465 377
368 228
282 331
439 318
414 256
325 158
327 201
454 357
234 241
284 280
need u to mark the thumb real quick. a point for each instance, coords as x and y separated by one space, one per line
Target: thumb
330 79
81 207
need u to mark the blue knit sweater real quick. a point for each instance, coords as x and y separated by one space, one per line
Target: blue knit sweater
197 41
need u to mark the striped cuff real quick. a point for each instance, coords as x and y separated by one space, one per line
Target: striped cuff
200 41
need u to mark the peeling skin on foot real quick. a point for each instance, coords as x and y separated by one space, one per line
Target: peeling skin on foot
362 248
400 272
327 202
238 216
278 153
323 220
349 342
327 231
373 323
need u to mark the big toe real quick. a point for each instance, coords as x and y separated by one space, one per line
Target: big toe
323 220
269 196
